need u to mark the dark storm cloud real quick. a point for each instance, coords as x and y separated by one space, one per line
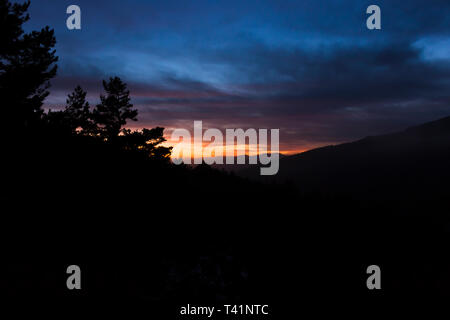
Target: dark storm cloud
310 68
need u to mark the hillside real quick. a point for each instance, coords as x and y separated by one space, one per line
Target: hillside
413 161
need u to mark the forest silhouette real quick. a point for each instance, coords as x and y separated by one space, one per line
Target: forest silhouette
82 187
80 140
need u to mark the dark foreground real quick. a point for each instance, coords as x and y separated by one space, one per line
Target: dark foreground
151 238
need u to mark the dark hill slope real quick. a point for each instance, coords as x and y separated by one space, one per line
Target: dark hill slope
414 162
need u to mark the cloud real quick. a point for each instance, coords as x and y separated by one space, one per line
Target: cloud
310 68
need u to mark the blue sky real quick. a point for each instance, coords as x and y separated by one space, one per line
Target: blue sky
310 68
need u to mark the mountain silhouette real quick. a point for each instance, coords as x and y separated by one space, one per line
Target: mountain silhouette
81 188
402 164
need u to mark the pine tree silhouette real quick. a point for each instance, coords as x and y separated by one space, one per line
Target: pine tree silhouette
78 112
115 109
27 63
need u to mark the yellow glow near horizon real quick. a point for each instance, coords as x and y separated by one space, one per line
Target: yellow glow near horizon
246 149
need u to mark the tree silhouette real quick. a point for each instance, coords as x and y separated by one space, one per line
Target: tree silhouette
115 109
147 141
76 118
78 112
106 122
27 63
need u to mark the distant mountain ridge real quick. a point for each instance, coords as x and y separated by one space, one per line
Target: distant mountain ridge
413 161
244 163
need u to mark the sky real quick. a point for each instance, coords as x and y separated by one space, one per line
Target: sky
309 68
